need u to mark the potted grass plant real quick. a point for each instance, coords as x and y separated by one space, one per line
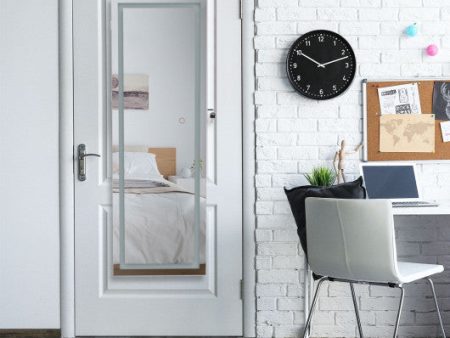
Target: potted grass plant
321 176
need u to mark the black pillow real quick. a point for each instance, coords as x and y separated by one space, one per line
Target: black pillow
296 197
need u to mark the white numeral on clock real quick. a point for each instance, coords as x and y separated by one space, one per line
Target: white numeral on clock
299 77
294 65
347 65
307 87
334 87
321 38
343 51
344 78
308 43
299 52
321 91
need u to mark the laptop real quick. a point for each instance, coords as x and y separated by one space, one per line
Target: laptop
394 181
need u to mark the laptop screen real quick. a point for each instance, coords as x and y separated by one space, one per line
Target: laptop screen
390 181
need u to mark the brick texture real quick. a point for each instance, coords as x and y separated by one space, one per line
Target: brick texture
294 134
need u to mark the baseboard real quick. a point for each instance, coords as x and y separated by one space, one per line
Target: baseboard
30 333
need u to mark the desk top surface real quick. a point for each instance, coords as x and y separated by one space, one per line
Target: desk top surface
441 209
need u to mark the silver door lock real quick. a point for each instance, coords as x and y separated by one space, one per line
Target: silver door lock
82 161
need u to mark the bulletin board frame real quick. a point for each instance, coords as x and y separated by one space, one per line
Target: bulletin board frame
371 124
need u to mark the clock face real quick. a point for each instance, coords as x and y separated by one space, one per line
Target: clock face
321 65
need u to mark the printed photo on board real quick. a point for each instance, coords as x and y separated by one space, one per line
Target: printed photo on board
441 100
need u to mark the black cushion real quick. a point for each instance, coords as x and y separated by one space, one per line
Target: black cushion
296 197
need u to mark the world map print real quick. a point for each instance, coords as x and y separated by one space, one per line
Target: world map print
407 133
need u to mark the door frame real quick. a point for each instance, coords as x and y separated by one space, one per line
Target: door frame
67 176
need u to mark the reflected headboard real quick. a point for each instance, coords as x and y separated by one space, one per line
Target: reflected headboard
166 158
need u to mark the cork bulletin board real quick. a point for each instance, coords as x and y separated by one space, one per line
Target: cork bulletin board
371 107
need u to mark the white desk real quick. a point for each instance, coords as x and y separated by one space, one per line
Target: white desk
442 209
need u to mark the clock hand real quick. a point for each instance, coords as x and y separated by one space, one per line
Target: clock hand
327 63
309 58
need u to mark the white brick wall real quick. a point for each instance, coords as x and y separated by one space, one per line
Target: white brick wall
295 134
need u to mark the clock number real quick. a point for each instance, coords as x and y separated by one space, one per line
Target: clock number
308 43
299 52
321 91
347 65
334 87
294 65
343 51
344 78
299 77
307 87
321 38
334 42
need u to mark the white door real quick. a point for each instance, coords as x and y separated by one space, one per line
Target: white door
157 90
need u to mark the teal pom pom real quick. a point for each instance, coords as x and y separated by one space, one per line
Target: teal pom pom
411 30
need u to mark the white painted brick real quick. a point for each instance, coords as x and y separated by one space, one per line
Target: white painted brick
434 28
334 331
298 153
401 56
397 28
306 26
402 3
265 98
435 3
414 14
287 262
389 317
276 167
306 139
349 319
266 153
379 303
274 83
281 180
268 290
264 208
285 235
337 14
263 180
274 317
277 276
292 99
264 331
421 69
378 14
418 43
273 27
287 125
319 3
445 13
277 3
360 3
285 42
276 139
408 249
265 14
346 125
359 28
277 222
280 112
350 111
265 125
263 263
380 70
296 14
322 318
264 42
296 290
266 303
336 304
270 194
336 289
417 235
272 55
282 208
288 331
378 42
263 235
315 110
290 303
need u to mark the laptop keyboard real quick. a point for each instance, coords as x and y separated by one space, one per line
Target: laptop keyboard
413 204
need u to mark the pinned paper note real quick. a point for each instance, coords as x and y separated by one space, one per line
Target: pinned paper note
407 133
445 129
402 99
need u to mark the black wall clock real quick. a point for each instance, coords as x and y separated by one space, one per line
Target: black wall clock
321 65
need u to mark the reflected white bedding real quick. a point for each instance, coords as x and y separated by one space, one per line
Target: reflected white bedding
159 224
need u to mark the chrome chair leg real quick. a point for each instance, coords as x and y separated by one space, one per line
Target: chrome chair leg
313 305
437 306
397 322
355 304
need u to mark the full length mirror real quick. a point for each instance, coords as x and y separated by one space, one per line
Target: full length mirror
158 107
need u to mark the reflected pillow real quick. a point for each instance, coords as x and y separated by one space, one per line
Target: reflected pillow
137 165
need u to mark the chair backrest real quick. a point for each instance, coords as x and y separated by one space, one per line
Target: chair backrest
351 239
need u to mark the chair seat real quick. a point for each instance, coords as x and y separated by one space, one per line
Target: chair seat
410 272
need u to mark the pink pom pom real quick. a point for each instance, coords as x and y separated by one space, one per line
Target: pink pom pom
432 50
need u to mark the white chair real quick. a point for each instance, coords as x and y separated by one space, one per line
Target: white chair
353 241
